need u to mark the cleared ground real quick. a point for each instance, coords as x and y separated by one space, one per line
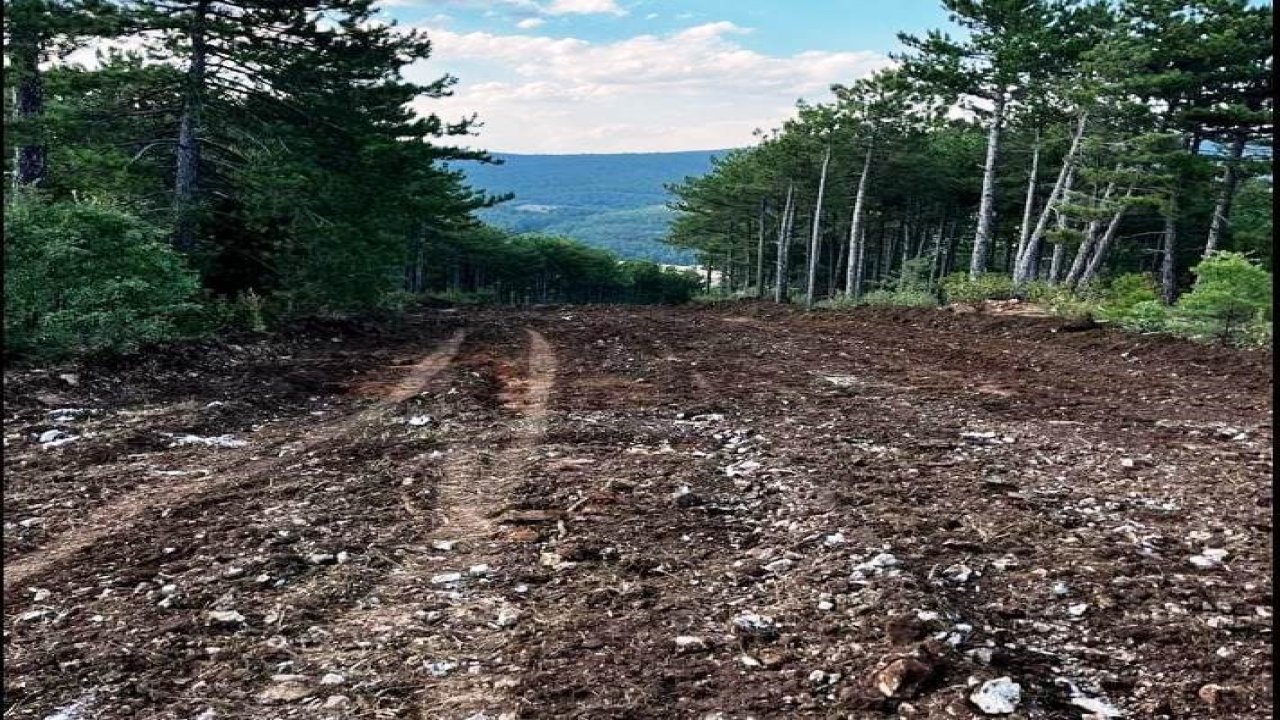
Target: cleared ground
644 513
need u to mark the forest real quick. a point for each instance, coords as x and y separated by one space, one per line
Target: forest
1100 158
179 168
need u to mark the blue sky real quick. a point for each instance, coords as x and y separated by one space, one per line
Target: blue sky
564 76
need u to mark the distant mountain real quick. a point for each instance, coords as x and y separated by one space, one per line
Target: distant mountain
613 201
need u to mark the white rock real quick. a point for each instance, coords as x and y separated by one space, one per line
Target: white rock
1060 589
1209 558
778 565
321 558
446 578
997 697
441 668
690 642
419 420
332 679
226 617
748 661
31 522
1078 609
825 605
337 701
478 570
508 616
444 545
41 595
219 441
836 538
958 573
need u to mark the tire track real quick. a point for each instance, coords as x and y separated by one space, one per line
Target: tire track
120 515
465 501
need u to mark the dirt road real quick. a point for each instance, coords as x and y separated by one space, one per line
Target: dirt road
644 513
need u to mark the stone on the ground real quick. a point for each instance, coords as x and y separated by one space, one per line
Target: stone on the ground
997 697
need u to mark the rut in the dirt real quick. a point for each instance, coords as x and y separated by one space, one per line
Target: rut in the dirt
244 467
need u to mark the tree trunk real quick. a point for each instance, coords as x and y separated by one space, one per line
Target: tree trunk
1222 208
1028 259
30 160
784 241
186 185
1169 246
760 252
860 263
855 224
1028 205
987 205
811 289
1088 243
1104 244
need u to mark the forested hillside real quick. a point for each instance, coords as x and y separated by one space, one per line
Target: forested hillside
182 167
1095 157
613 201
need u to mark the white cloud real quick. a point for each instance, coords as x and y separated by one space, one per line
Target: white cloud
696 89
584 7
530 23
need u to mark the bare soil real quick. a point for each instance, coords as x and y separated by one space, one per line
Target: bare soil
730 512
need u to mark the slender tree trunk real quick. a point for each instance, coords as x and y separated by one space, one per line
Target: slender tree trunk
1168 247
987 204
855 224
906 251
784 241
1028 259
1089 242
1222 208
840 250
30 159
860 265
1024 231
760 252
1104 244
811 289
186 185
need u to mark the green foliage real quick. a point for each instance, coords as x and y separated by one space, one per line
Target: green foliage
86 276
1230 293
899 298
958 288
1125 292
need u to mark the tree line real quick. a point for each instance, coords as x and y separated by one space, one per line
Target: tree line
1053 142
172 161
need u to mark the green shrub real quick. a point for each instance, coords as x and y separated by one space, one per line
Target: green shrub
1123 292
958 288
901 298
1230 294
838 302
90 276
1145 316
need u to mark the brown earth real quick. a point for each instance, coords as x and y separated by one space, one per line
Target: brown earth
733 512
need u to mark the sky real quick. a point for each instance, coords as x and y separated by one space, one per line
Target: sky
598 76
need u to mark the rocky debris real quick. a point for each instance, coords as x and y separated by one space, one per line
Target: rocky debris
286 688
904 677
55 438
690 642
217 441
1209 558
225 617
440 668
446 578
750 627
880 563
1100 707
997 697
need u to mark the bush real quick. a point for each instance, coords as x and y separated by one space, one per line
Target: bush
1146 316
901 298
90 276
1230 294
958 288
